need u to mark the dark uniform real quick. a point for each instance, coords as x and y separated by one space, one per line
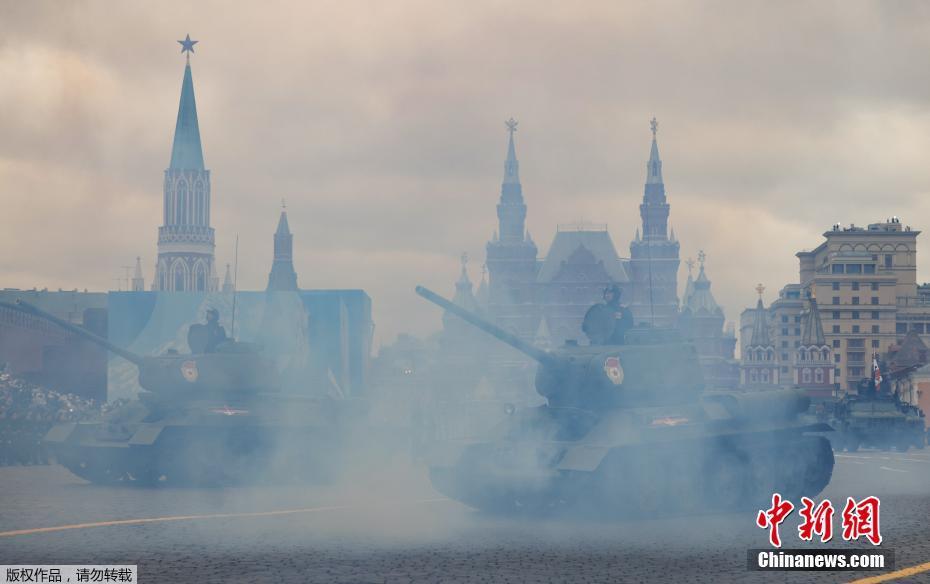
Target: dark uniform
216 334
606 323
205 338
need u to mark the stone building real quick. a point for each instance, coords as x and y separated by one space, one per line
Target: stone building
702 322
44 353
654 256
526 292
865 282
185 239
813 363
758 366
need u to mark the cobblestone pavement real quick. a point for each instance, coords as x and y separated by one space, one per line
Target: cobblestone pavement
396 529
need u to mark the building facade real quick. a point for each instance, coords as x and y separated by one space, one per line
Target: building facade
654 256
813 362
526 294
702 322
759 367
186 240
864 280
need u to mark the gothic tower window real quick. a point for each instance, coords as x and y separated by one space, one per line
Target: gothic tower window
182 203
200 277
179 276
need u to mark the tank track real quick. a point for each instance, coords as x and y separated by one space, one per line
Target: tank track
720 475
194 461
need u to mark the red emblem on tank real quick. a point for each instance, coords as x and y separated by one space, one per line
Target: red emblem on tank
613 370
189 371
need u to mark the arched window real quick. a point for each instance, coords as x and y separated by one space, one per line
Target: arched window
182 218
770 355
198 197
806 375
179 277
764 376
802 354
818 375
200 278
825 355
753 376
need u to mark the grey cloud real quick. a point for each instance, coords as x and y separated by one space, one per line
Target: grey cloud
381 123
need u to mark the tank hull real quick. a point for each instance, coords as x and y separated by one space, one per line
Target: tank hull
877 423
626 465
209 443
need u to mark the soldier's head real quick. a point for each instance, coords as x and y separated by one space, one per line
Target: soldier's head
213 315
612 294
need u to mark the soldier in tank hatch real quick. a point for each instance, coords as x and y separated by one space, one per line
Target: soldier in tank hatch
216 334
606 323
205 338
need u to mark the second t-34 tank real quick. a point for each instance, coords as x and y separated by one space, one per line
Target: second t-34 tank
629 430
211 417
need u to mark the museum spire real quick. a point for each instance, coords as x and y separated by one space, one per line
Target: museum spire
654 166
511 165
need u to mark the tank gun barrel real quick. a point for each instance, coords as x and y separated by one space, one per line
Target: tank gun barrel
514 341
27 308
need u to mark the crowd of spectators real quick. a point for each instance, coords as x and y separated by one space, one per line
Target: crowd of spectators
28 411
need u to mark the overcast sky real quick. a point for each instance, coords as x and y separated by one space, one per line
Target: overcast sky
382 125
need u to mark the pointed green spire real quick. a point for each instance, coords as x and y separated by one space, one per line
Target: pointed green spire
186 152
283 227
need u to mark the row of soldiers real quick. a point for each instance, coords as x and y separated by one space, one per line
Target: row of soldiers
27 412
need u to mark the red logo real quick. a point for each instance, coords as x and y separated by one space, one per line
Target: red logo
859 519
189 371
772 518
819 520
613 370
228 411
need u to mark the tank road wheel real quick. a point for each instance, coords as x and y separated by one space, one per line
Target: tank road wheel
616 487
805 468
727 479
96 465
95 471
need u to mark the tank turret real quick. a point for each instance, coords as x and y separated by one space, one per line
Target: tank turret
629 430
233 367
654 367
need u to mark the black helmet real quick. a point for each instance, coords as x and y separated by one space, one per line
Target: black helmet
613 289
213 314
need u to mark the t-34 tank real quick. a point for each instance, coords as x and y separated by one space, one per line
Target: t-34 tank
628 430
214 416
